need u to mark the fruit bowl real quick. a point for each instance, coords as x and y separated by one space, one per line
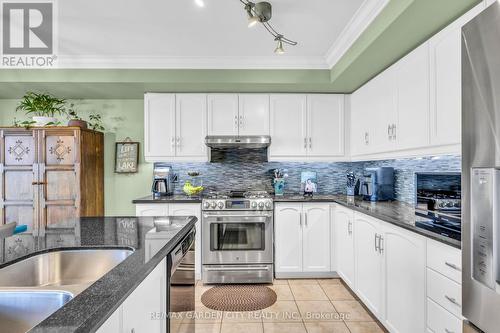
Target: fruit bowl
191 190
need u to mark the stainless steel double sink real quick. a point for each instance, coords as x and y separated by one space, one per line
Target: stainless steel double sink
34 288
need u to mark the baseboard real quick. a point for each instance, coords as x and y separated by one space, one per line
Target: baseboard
305 275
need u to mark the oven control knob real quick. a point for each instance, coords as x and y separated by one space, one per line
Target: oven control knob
268 204
449 204
220 205
206 205
261 205
254 204
457 204
213 205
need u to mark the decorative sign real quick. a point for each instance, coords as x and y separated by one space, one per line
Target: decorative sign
127 156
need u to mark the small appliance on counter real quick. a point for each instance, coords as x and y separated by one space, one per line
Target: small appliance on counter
163 178
377 184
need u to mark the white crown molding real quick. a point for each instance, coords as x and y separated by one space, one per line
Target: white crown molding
149 62
363 17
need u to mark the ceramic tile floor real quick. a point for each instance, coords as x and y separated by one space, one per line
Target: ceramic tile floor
303 306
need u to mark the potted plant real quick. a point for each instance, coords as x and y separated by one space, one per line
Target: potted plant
95 122
74 119
42 108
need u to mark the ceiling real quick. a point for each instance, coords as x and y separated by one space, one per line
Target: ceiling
180 34
102 63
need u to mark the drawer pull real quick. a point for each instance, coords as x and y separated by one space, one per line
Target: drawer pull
455 267
448 331
452 300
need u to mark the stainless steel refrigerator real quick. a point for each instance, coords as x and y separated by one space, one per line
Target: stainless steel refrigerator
481 170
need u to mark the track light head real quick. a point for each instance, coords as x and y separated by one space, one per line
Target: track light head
279 48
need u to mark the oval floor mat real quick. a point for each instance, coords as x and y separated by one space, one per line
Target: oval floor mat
238 297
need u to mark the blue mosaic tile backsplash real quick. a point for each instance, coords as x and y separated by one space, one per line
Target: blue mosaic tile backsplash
248 169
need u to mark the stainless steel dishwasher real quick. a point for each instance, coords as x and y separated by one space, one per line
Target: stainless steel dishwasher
181 281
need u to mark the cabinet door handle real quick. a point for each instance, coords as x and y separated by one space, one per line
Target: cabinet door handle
305 219
389 134
448 331
172 142
305 143
310 143
349 228
178 140
376 243
380 242
300 221
236 121
452 300
241 121
394 133
455 267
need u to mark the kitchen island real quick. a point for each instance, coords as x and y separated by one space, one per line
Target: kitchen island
90 308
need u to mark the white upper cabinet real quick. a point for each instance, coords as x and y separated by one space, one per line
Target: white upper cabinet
243 114
325 125
412 82
159 123
360 121
308 127
446 87
175 127
191 125
223 114
383 112
253 114
288 126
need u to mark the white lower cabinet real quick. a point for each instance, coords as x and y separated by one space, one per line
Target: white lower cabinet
368 261
316 238
177 209
404 279
113 323
138 312
302 239
344 243
444 289
385 266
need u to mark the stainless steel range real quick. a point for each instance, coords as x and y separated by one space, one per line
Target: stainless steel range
237 237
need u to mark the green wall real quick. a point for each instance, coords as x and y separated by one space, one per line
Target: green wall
122 118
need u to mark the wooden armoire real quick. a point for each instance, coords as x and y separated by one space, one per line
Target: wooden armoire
49 175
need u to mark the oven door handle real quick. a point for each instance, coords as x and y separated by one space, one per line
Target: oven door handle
219 269
207 216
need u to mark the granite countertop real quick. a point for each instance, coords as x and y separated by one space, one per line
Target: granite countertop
395 212
90 308
176 198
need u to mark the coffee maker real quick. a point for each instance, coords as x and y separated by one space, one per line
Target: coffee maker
162 179
378 184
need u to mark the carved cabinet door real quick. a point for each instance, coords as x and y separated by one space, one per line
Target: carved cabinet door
18 192
59 163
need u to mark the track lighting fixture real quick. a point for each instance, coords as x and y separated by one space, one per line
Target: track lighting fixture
261 12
